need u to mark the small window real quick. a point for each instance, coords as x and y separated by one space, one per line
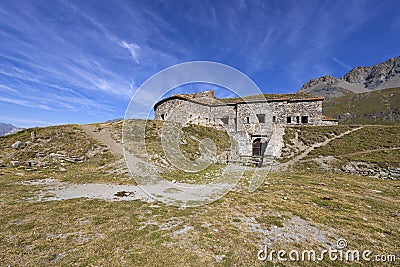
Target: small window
234 119
297 119
247 119
289 119
162 117
273 119
304 119
225 120
261 118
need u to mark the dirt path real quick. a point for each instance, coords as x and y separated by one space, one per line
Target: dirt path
314 146
104 136
371 150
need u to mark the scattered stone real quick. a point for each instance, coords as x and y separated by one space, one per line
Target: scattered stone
33 136
17 145
123 194
15 163
219 258
372 170
285 198
183 231
58 257
173 181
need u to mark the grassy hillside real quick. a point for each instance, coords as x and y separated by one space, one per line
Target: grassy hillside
376 107
372 150
65 152
305 207
69 154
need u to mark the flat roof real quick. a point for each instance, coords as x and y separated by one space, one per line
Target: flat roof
206 101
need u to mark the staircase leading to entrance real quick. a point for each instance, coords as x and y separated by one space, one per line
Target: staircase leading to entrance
253 161
272 151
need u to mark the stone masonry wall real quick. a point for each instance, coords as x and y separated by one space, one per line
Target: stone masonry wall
241 120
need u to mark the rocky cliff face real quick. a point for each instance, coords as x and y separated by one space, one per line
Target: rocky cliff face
358 80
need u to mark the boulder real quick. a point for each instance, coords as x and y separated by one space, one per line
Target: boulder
17 145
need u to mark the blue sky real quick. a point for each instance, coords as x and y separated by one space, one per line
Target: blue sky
81 61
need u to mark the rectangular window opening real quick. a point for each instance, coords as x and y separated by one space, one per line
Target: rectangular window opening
304 119
297 119
225 120
289 119
247 119
273 119
261 118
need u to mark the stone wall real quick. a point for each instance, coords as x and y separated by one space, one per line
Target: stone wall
184 111
296 110
371 169
244 121
328 122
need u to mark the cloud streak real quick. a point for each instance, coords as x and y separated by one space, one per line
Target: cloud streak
133 50
76 57
341 63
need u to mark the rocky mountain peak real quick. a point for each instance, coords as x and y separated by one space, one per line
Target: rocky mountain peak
6 129
374 76
357 75
327 80
359 80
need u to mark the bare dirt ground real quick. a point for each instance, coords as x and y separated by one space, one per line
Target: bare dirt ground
105 137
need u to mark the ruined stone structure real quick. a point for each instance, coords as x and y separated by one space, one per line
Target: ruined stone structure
252 121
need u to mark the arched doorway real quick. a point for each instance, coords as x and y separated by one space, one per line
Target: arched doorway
257 147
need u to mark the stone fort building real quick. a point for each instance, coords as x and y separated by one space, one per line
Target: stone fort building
255 122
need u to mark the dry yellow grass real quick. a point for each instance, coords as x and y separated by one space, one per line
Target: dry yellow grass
89 232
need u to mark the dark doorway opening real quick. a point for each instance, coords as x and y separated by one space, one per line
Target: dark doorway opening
257 147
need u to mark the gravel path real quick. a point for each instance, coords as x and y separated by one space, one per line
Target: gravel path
104 136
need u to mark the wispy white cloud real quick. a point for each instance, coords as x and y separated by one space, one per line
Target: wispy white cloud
7 88
133 50
73 56
25 103
341 63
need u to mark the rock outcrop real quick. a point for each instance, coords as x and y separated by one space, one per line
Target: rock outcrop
358 80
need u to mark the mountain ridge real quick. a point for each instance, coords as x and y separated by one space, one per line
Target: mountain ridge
6 129
360 79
